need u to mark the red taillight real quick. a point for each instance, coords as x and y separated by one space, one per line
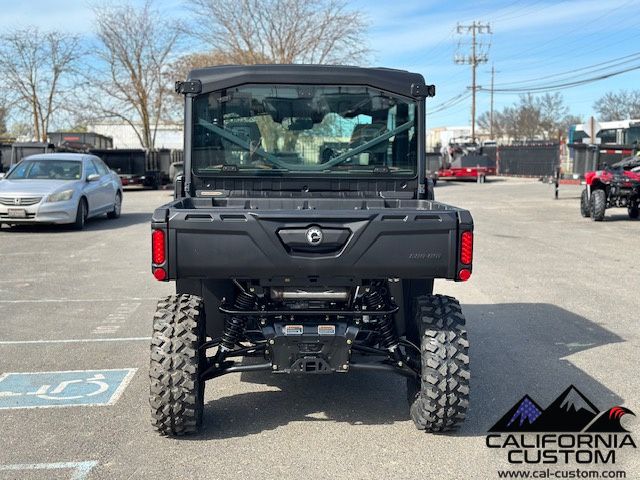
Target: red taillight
157 246
160 274
464 274
466 248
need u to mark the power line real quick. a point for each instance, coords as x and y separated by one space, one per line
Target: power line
565 33
476 57
452 102
615 62
562 86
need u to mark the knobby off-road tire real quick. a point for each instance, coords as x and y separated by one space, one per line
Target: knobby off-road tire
177 393
598 205
584 204
440 399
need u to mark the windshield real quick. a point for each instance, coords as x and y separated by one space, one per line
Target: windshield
47 170
319 130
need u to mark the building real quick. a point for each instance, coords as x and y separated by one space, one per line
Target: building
168 135
620 132
440 136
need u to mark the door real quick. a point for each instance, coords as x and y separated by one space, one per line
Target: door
107 187
92 190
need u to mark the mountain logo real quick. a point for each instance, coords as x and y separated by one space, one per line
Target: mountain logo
572 411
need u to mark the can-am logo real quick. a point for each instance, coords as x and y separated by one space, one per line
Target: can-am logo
314 236
570 429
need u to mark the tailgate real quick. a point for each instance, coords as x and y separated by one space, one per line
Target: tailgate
227 243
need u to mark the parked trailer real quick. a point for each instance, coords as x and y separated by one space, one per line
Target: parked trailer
12 153
5 156
134 166
529 160
464 160
471 166
92 139
587 158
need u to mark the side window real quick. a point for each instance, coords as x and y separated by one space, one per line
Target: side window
106 168
91 169
101 167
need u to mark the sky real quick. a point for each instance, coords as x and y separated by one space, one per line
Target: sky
533 43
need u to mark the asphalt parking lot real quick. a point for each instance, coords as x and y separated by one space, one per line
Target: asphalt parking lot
553 301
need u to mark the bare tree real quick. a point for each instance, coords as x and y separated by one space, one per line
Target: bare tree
135 52
484 122
40 72
531 118
282 31
552 111
4 114
622 105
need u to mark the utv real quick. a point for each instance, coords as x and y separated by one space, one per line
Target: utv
614 186
304 234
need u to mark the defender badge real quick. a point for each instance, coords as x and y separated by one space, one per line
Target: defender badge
314 236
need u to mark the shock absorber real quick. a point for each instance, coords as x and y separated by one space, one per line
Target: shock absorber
373 300
234 326
388 338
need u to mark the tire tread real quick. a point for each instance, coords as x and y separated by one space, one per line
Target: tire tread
443 399
175 389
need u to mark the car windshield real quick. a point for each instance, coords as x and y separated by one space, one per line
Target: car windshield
47 170
319 130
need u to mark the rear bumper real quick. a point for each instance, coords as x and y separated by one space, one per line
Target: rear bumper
420 241
43 212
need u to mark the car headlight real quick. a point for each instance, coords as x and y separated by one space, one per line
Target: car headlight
60 196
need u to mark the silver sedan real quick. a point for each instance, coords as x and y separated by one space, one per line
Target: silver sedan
59 188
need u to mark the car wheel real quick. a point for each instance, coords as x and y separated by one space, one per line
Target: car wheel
81 215
117 207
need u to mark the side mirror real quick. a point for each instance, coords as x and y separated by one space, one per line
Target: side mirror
93 177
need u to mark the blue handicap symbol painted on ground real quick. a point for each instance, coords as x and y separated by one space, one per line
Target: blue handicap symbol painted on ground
63 389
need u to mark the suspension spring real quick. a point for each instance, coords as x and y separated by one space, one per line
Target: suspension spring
386 328
234 326
373 300
388 338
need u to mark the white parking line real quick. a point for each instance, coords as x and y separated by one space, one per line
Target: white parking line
15 254
80 469
74 340
113 322
78 300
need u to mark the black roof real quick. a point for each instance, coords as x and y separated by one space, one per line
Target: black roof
225 76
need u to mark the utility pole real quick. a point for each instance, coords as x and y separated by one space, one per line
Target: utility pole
493 75
478 55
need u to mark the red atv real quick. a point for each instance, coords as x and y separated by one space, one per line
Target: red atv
614 186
